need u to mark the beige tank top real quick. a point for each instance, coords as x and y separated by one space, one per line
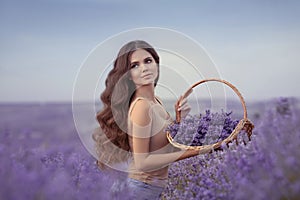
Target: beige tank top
160 119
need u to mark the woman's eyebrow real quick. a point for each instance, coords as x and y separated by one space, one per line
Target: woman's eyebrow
135 62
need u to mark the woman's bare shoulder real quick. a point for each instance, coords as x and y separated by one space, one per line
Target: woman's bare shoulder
140 111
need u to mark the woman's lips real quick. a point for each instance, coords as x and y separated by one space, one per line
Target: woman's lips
145 76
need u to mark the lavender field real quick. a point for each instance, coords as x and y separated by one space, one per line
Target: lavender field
42 157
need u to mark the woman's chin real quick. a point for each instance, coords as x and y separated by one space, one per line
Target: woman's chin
146 83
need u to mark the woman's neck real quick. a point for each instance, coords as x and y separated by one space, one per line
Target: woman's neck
146 91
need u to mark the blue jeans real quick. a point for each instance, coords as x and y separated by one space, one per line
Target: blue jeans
143 191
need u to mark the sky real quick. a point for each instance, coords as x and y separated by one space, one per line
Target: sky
43 43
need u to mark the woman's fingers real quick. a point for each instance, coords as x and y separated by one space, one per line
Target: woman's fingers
178 102
183 105
183 101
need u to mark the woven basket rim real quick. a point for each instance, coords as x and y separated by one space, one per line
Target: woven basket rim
241 124
230 138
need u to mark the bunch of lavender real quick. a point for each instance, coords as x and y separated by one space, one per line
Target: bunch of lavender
202 129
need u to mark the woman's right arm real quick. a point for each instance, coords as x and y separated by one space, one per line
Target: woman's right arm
141 133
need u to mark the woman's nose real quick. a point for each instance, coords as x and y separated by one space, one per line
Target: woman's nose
144 68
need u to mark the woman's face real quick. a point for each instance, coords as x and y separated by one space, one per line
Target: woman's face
143 68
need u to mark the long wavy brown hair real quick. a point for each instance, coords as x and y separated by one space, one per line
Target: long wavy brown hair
112 145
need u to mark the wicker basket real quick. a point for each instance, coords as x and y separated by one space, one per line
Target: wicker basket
244 124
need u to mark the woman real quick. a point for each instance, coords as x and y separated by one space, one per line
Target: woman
133 120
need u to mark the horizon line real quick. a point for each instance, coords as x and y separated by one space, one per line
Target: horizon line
168 99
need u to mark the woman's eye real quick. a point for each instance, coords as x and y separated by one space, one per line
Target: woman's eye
134 65
148 60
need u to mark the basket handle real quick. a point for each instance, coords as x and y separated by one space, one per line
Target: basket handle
190 90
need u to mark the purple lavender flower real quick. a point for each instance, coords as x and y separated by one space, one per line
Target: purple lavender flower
203 129
267 167
42 162
43 158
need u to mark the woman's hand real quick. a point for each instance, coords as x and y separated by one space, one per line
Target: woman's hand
182 107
